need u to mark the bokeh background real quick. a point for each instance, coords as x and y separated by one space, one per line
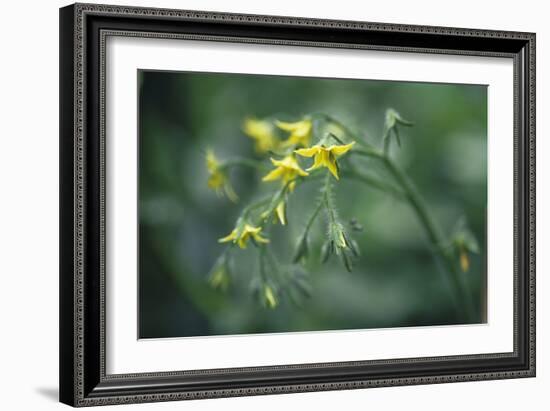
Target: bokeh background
395 282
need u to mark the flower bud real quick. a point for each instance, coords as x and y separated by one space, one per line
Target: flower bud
302 249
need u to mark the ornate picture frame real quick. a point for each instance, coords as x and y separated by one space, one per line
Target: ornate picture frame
84 30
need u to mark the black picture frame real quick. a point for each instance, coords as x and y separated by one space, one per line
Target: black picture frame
83 29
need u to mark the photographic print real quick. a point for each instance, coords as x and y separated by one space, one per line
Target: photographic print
275 204
260 204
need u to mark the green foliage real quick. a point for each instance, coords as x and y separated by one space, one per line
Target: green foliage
393 209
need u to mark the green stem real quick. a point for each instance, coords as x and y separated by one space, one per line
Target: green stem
253 206
346 129
432 230
327 198
302 240
386 145
373 182
313 217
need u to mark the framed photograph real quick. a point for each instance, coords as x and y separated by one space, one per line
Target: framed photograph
260 204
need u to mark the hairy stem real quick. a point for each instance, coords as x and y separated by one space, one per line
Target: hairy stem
313 217
416 202
327 199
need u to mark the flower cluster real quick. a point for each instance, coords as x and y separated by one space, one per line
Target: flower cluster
242 233
312 149
217 179
286 144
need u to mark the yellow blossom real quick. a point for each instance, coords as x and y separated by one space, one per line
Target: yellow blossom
325 156
287 170
300 132
217 180
240 236
262 132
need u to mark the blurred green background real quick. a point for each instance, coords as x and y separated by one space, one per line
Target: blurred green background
396 281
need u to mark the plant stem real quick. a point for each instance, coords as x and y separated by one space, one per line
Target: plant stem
327 197
432 230
373 182
252 206
346 129
302 240
386 145
313 217
326 200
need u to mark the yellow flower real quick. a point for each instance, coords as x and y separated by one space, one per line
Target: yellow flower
300 132
325 156
240 236
262 132
217 180
287 170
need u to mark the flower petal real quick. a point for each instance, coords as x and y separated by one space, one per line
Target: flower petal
318 162
212 162
291 141
231 237
280 211
332 167
287 162
216 180
339 150
251 229
308 152
274 174
256 128
259 239
301 172
242 240
283 125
